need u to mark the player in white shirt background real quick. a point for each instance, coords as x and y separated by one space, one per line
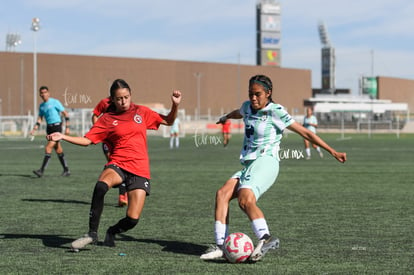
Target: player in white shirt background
310 122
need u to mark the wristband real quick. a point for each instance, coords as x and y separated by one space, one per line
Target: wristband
37 124
67 118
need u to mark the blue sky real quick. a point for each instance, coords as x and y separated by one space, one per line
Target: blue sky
371 36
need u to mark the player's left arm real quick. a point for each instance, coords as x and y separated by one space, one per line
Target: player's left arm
235 114
313 138
175 101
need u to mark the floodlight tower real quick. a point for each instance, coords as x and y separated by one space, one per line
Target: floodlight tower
12 40
327 60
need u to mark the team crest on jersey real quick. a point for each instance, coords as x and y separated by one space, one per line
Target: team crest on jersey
138 119
264 116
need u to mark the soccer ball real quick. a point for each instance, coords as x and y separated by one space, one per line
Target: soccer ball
237 247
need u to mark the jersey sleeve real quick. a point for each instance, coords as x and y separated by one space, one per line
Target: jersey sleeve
40 111
58 105
244 108
98 132
101 107
152 119
283 118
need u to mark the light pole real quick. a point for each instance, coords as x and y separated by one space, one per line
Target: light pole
35 27
198 75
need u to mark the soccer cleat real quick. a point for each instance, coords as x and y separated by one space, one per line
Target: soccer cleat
65 173
38 173
214 252
109 239
89 238
123 200
263 246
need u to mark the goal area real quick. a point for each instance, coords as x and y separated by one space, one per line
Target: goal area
16 126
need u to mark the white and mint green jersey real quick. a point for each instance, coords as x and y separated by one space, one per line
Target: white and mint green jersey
263 130
312 119
175 127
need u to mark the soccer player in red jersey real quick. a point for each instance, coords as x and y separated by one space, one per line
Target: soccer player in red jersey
123 127
225 130
99 110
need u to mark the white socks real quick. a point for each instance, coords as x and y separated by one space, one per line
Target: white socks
177 142
260 228
221 232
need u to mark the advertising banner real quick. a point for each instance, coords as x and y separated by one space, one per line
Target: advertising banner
270 22
270 57
268 33
370 87
270 40
270 8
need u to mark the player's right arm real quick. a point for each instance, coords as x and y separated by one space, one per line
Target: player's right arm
82 141
235 114
36 126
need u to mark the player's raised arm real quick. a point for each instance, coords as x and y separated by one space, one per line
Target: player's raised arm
175 99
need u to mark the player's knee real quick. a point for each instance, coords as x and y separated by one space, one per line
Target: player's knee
246 202
101 188
223 195
227 191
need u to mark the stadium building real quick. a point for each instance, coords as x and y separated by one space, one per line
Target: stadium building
209 89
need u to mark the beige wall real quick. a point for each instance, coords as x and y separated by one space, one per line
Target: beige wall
398 90
81 81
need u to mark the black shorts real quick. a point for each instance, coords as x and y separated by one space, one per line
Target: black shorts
105 148
55 127
131 181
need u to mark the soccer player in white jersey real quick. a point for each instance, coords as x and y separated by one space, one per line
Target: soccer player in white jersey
264 124
310 122
175 134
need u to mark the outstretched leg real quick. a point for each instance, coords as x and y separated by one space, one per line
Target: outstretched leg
223 197
247 202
